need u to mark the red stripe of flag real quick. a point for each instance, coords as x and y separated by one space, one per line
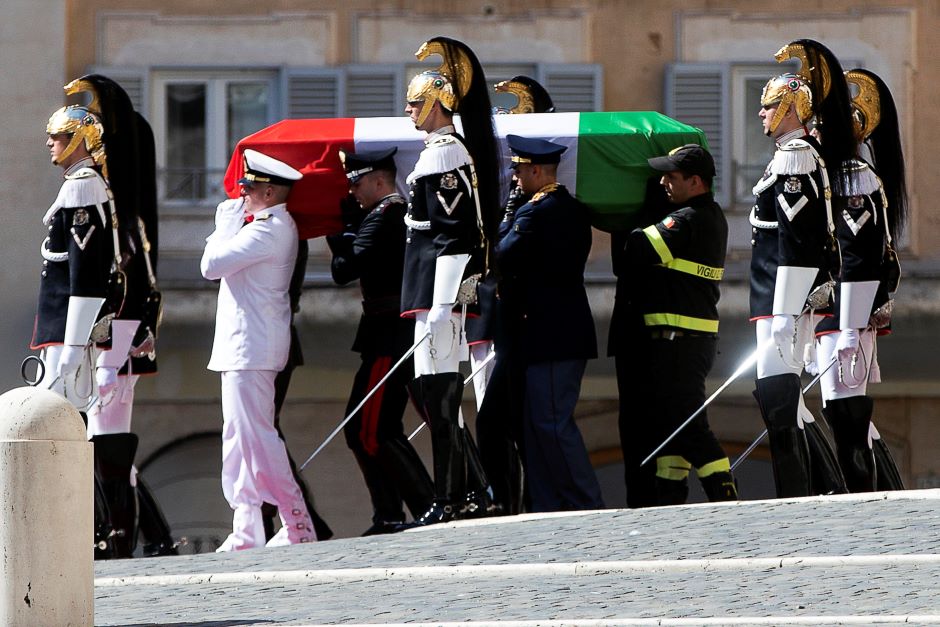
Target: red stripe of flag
310 146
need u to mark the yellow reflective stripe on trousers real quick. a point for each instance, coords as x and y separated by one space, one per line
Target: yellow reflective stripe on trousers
672 467
656 240
696 269
719 465
680 322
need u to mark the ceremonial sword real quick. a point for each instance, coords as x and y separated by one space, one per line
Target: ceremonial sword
375 389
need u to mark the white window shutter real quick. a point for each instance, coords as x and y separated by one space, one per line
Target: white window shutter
135 81
312 93
374 91
697 94
574 87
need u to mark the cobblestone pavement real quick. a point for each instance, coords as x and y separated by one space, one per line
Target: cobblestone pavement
871 559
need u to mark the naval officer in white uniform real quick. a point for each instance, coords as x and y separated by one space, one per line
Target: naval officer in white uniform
252 251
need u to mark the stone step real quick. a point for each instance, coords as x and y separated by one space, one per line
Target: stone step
850 559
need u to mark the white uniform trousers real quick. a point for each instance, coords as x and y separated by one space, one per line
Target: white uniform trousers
255 467
441 354
850 383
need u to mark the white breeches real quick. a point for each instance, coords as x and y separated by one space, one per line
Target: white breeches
112 413
851 383
442 353
79 387
770 362
255 467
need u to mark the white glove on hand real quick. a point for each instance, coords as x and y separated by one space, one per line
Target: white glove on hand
783 330
106 378
69 360
229 217
439 322
847 345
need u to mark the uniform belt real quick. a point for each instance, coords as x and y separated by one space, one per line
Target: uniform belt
671 333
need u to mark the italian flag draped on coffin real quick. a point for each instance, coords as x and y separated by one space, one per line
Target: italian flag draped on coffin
604 166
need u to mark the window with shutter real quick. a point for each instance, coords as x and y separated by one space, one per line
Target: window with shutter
313 93
697 94
374 91
574 87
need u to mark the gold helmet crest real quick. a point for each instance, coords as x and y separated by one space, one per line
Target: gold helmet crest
448 84
866 106
787 90
83 125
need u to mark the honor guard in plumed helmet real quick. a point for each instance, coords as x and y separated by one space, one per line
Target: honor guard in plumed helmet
260 168
789 90
532 97
876 123
83 126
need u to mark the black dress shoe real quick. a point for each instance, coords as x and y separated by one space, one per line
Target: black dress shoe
440 512
384 526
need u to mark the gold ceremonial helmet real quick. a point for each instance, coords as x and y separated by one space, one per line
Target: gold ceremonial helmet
526 102
82 125
785 91
448 84
866 106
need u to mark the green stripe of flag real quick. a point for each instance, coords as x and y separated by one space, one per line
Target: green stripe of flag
612 153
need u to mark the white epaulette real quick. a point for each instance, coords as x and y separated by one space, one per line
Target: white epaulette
443 154
858 180
82 188
794 157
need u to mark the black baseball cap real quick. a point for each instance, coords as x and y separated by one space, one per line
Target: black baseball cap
690 158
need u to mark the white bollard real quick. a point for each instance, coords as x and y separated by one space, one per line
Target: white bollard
46 512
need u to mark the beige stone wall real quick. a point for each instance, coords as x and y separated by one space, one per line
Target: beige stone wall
33 69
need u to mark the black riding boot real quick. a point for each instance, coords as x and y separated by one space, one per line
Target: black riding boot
479 501
826 474
114 457
153 525
414 484
887 472
850 419
437 399
779 400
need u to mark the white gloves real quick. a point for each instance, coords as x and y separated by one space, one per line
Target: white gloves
783 330
229 217
69 360
106 378
439 320
847 345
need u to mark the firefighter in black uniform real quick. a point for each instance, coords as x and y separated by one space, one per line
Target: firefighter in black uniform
454 199
795 257
543 249
372 249
870 209
499 420
681 259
